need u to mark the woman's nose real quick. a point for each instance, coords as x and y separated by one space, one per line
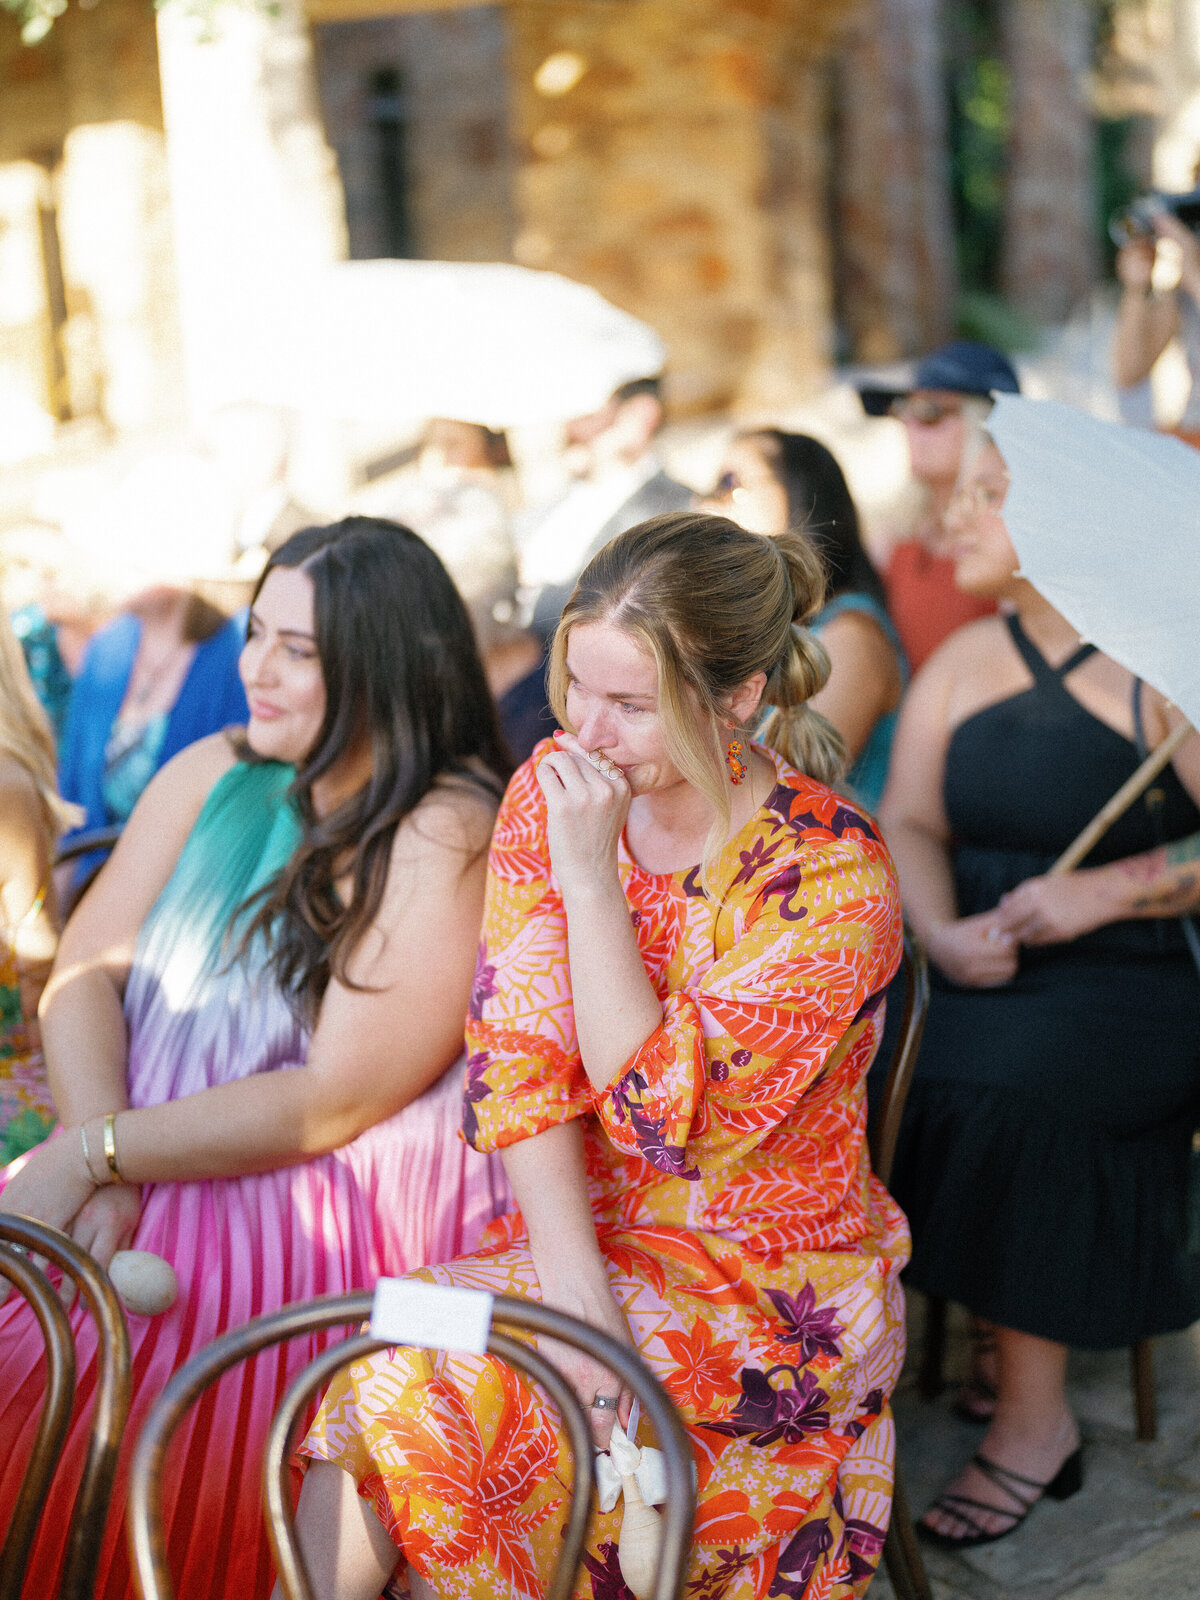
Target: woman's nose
591 729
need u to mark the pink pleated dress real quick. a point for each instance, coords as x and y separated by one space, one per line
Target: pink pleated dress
406 1193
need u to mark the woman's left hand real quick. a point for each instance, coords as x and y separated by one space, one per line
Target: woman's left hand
587 801
51 1186
1054 909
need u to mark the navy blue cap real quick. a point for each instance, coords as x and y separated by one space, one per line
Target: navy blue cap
962 367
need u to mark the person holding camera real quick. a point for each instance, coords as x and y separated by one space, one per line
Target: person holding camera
1148 319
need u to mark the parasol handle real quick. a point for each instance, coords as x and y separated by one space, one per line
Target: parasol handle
1121 801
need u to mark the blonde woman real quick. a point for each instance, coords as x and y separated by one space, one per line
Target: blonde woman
31 818
686 938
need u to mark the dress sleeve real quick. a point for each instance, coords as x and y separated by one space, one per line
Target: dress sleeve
814 942
524 1073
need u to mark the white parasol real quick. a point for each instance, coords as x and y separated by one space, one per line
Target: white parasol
1106 523
481 342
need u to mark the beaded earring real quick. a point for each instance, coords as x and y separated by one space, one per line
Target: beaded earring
733 760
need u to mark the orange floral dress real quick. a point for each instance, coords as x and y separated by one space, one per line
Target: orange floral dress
755 1256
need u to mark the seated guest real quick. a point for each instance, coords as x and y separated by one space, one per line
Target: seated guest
55 603
673 1014
951 388
468 526
31 818
615 481
254 1030
771 481
1044 1153
163 673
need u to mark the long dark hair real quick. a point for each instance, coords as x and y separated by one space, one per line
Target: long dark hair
401 667
821 507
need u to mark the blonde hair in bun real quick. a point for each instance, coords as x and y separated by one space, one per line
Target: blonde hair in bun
713 604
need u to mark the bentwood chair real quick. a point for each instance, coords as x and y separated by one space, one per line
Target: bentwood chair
19 1236
901 1552
146 1541
92 842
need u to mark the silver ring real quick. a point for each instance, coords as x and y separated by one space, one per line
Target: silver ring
605 1402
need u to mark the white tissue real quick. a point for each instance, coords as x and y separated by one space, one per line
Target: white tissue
625 1459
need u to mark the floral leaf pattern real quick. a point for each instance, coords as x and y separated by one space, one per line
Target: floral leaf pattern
755 1258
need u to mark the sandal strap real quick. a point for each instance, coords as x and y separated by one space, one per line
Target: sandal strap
950 1503
997 1473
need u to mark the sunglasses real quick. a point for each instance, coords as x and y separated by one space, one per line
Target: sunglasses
912 408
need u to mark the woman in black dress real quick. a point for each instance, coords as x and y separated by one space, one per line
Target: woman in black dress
1044 1156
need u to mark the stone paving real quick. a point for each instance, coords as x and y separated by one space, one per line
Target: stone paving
1132 1532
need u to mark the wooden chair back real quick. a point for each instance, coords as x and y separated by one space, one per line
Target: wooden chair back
901 1552
885 1124
18 1237
146 1541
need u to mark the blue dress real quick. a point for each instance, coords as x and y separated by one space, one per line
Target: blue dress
211 698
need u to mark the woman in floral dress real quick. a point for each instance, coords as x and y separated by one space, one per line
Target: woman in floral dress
678 996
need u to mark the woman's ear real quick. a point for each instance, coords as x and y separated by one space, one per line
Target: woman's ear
744 700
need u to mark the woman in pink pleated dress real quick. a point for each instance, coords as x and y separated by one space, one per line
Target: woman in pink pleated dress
254 1029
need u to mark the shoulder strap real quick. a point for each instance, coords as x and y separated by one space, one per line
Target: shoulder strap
1034 659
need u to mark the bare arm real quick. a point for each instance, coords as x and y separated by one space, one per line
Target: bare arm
374 1049
548 1181
913 818
616 1008
83 1025
1146 322
1164 882
864 680
27 903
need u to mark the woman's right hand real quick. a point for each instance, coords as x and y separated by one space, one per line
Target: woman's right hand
106 1222
587 1295
973 951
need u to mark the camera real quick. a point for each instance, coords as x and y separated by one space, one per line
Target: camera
1136 220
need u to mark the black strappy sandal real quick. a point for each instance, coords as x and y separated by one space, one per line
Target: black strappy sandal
1068 1480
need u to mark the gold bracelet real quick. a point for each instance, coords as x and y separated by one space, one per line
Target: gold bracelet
87 1159
110 1147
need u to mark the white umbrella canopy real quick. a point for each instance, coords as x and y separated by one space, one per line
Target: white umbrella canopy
1106 522
481 342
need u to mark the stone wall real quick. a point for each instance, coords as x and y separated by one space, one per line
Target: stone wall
447 118
671 154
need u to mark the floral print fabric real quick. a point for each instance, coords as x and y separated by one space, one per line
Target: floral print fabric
754 1255
26 1109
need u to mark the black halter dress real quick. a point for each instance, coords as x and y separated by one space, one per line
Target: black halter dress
1044 1156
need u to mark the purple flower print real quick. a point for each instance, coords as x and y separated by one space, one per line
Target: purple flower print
863 1544
799 1559
815 1332
483 985
475 1089
667 1158
766 1414
785 888
607 1582
760 855
627 1095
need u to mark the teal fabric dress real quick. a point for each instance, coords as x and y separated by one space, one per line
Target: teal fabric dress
867 776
